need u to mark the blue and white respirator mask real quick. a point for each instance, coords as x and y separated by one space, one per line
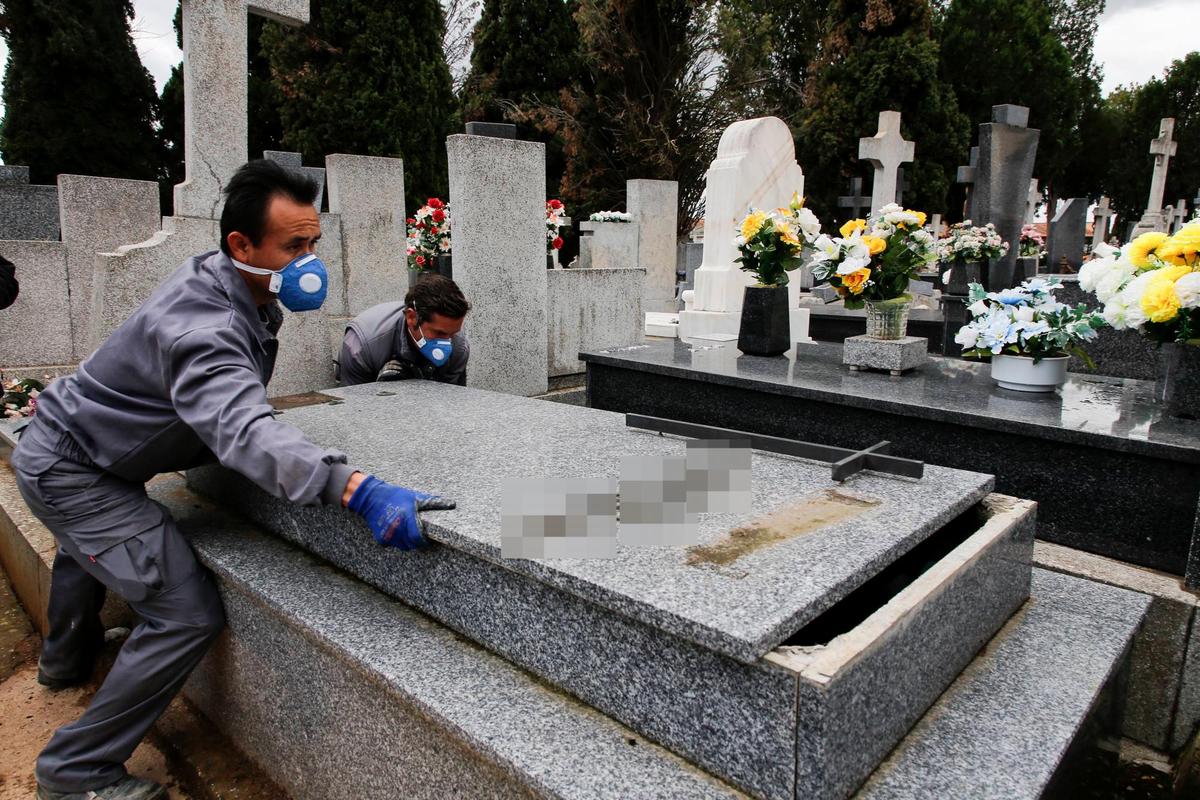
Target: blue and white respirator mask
300 286
436 350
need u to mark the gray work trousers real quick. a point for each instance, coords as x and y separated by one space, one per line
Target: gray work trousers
151 566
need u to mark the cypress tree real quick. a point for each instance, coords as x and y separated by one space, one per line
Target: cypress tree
525 52
367 78
77 97
879 56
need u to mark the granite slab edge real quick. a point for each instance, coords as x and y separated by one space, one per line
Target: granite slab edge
1152 449
386 641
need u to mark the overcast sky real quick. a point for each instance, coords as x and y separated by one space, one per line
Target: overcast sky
1137 39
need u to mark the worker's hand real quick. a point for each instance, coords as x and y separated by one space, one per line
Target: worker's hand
395 370
392 511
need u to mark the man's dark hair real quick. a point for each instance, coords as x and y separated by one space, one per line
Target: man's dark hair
249 193
436 294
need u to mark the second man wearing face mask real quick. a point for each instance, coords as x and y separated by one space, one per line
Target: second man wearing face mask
419 338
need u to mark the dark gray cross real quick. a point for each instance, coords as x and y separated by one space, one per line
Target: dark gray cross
856 202
902 185
966 175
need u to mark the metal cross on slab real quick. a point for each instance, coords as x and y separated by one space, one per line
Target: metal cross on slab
843 461
215 81
886 151
856 201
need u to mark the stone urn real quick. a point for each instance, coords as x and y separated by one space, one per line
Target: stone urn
766 326
1178 384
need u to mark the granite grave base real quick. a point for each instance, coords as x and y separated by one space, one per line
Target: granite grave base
895 356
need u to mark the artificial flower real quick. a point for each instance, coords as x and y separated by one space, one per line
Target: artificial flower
850 227
875 245
753 223
856 281
1159 303
1185 243
1141 248
1187 289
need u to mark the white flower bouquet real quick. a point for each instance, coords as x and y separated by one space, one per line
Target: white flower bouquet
610 216
969 243
1026 321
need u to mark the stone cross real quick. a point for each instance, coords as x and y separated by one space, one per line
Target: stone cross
1035 197
1196 200
885 151
1100 218
1180 215
856 201
215 76
1162 148
1168 217
1007 150
966 176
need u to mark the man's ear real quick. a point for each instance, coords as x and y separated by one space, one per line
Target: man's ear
239 246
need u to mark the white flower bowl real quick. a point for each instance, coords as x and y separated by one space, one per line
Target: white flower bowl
1021 374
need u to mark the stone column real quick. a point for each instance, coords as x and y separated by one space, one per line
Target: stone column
498 199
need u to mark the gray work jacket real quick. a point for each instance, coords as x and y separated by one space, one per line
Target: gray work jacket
379 335
183 380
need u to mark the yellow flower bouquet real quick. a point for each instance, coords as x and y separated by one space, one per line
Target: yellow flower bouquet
770 242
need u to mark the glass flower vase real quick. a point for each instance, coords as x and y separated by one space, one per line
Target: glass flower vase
888 319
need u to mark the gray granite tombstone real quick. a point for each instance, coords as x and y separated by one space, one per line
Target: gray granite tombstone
966 176
1066 235
28 212
497 130
1006 154
293 162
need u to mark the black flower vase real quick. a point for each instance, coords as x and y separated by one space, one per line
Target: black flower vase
1178 384
766 325
445 266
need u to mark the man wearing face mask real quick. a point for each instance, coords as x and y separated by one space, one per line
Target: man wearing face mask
419 338
180 382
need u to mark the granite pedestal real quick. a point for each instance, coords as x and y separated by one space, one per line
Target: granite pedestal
1110 473
895 356
789 669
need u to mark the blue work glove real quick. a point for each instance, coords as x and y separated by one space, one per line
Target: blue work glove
391 511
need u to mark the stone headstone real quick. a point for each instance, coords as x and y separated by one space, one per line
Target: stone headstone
1163 149
1031 204
368 193
28 212
1001 192
857 203
902 185
292 162
967 176
608 245
755 166
654 206
1066 234
498 193
1100 217
36 329
98 216
215 83
499 130
885 151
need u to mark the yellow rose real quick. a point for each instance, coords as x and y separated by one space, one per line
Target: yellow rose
852 226
920 217
1159 301
856 281
1141 248
1183 244
874 244
786 234
797 201
753 223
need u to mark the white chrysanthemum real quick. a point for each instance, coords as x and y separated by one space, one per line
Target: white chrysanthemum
1121 315
1187 289
1110 284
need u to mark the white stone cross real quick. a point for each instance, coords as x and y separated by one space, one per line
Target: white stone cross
885 151
215 81
1100 218
1035 197
1180 215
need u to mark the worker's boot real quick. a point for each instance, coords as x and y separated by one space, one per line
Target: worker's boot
128 788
